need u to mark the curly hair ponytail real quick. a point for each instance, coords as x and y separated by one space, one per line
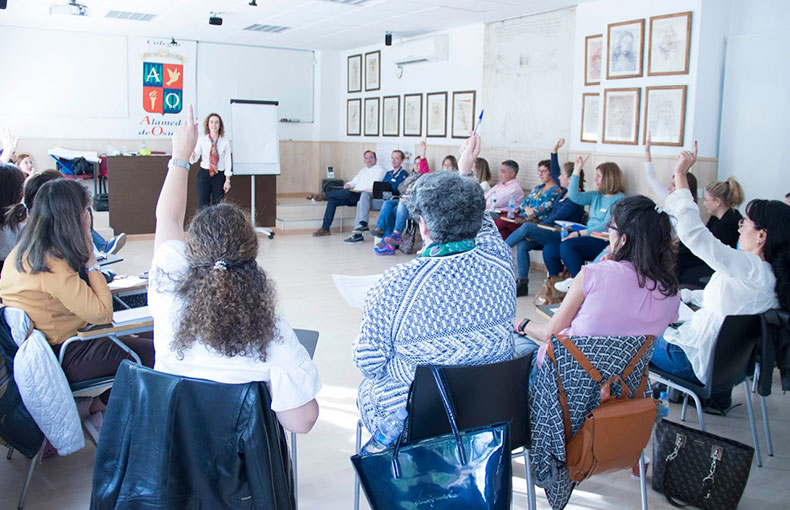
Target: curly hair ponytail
229 300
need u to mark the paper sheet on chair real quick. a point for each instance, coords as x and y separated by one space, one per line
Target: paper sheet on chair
131 315
355 288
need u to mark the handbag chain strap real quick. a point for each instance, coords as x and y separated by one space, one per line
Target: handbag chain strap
706 488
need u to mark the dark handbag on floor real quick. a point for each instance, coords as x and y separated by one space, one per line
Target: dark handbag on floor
408 244
696 468
467 469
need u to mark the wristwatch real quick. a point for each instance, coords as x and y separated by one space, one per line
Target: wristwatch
178 162
94 267
522 325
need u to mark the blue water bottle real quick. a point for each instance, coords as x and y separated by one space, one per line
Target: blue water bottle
511 207
386 433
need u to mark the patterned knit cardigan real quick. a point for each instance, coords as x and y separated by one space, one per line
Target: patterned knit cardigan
452 310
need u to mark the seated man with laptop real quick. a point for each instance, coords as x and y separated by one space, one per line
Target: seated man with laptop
355 192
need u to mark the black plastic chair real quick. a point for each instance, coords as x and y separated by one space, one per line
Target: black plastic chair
482 394
732 354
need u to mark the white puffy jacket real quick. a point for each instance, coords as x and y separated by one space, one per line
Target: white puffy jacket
43 385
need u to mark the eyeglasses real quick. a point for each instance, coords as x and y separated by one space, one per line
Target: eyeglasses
611 226
742 222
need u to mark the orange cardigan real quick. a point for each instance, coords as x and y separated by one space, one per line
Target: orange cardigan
58 302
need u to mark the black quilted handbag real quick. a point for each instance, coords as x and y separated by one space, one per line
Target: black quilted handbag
696 468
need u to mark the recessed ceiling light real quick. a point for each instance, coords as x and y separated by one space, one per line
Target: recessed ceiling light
274 29
134 16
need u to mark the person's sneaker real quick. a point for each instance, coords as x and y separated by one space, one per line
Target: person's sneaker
93 424
384 249
522 287
115 244
394 239
321 232
377 232
362 227
356 237
564 286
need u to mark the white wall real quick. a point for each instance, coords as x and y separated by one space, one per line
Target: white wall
462 71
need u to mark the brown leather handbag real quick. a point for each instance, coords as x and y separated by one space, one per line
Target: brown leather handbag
614 434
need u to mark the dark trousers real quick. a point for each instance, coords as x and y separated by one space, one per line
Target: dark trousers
505 227
210 190
335 198
101 357
571 253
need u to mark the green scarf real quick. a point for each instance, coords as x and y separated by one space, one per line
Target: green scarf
443 250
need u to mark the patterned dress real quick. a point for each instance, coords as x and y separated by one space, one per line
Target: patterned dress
452 310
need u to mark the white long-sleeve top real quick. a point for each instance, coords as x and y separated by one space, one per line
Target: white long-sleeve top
660 190
742 284
366 176
203 149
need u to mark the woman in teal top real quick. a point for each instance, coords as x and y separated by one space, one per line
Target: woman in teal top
578 247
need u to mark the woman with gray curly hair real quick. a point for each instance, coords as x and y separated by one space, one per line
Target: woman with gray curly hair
452 305
214 307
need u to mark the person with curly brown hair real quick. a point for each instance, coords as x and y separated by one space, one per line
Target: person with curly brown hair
214 306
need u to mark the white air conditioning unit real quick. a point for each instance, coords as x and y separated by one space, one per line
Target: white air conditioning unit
426 49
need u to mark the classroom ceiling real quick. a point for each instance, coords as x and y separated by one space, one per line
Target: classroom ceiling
310 24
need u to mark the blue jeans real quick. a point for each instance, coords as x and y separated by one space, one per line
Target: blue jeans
401 215
98 241
525 238
387 217
336 198
671 358
575 251
523 347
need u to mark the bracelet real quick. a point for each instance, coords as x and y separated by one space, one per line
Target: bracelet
522 325
178 162
94 267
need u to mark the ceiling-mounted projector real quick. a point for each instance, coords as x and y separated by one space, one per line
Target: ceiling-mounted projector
70 9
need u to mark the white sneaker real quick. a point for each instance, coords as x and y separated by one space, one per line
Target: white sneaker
564 286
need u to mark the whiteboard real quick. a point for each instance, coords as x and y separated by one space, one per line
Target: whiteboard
256 144
234 71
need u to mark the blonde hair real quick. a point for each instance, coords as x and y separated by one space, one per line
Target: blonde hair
729 192
612 179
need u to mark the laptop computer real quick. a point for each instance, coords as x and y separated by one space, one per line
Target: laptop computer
383 191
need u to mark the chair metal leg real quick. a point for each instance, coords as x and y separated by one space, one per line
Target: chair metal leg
295 470
756 376
766 426
10 452
531 500
751 422
643 480
35 460
356 477
683 409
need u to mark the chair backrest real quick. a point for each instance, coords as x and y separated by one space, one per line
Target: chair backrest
733 350
308 338
482 394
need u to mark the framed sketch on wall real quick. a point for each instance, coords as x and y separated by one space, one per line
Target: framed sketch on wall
436 123
390 118
463 113
412 115
371 116
354 117
625 44
665 115
593 46
621 115
591 117
670 42
354 73
373 70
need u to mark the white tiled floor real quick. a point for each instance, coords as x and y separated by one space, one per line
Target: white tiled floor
302 267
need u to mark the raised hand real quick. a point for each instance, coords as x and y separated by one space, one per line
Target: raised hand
579 165
647 146
8 144
558 145
422 148
470 150
185 137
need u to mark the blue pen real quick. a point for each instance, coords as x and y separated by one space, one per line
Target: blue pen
479 121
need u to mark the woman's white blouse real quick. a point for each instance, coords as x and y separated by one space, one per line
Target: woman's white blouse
292 375
203 149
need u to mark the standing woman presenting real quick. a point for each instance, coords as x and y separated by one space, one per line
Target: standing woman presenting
213 150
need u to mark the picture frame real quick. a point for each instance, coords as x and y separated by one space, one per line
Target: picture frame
463 119
354 117
591 117
593 58
670 44
412 115
665 115
354 73
625 49
436 115
390 116
371 122
373 70
621 115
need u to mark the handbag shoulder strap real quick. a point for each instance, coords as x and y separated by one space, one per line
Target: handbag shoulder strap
640 391
566 415
580 358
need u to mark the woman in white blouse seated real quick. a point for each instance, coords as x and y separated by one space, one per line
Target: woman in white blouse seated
751 279
213 306
213 150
